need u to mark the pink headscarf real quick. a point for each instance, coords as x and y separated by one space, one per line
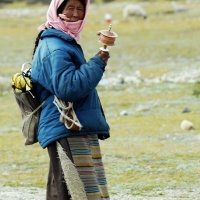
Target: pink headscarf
70 28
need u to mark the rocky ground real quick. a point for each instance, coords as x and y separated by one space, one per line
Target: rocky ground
23 193
180 75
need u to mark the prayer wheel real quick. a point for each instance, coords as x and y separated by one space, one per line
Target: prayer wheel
107 38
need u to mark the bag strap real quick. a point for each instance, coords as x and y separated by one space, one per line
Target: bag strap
32 113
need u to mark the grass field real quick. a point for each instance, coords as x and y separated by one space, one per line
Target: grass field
147 152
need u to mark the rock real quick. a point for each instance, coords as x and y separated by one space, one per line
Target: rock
186 110
123 113
186 125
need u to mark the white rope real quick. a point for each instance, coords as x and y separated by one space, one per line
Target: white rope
64 112
71 176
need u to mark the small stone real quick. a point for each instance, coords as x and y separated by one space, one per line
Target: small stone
186 125
186 110
123 113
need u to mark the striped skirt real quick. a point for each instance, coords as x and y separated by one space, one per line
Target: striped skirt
87 159
80 167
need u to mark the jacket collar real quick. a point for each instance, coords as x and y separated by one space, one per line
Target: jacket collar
51 32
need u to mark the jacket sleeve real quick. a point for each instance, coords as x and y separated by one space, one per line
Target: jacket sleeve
60 75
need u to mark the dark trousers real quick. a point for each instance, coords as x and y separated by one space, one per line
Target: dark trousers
56 186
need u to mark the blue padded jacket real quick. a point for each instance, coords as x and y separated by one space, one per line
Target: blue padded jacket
59 68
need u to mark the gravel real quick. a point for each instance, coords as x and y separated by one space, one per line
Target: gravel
33 193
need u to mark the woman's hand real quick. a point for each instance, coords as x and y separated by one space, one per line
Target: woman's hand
104 55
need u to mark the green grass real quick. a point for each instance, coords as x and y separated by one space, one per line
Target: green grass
147 151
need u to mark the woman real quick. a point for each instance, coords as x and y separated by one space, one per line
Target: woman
72 120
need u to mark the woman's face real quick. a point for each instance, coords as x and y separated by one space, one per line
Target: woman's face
74 11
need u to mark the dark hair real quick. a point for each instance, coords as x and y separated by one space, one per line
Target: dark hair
61 7
37 42
63 4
